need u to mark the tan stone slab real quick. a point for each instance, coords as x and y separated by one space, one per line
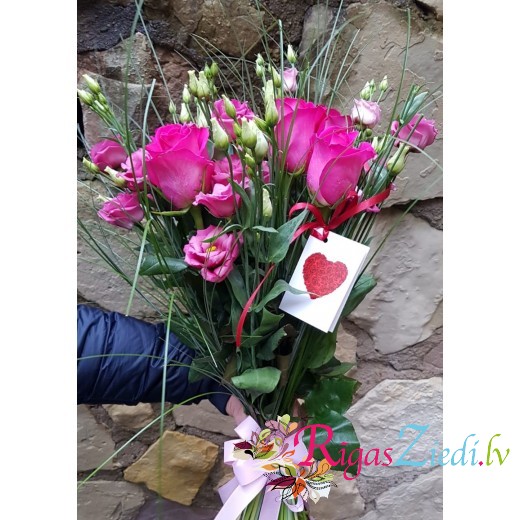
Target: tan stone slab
131 417
206 417
186 463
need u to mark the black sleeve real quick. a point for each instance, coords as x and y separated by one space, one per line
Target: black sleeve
120 361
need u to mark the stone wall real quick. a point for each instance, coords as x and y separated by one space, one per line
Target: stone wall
395 336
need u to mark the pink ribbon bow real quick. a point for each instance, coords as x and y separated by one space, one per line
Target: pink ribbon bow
250 477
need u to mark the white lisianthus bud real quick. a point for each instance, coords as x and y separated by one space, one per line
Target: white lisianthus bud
214 69
193 84
203 89
248 133
260 60
269 92
267 206
220 138
261 124
90 166
186 96
172 108
277 79
185 115
86 97
116 179
230 109
201 119
396 163
366 92
237 129
207 71
271 114
249 161
262 146
291 55
92 84
383 86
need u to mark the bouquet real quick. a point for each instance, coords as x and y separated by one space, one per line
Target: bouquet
250 221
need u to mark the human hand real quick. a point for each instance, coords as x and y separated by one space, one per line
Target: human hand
235 409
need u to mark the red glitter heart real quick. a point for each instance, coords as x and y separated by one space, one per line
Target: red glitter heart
321 276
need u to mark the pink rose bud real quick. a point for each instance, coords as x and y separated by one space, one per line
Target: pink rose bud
122 211
423 135
213 259
366 113
289 79
107 153
335 164
179 163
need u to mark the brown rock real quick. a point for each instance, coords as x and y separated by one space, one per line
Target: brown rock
185 463
131 417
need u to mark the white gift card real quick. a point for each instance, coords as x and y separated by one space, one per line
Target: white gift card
327 272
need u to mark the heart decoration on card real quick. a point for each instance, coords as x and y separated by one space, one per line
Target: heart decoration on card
321 276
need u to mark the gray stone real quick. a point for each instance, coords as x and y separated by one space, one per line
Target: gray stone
428 210
344 501
162 509
95 444
346 346
317 20
131 417
96 283
205 417
435 6
232 26
379 50
385 410
109 500
417 500
402 309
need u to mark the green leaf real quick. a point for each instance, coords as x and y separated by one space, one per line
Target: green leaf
263 380
334 368
237 286
280 242
268 323
364 284
245 199
278 288
326 403
225 231
266 351
265 229
151 265
322 351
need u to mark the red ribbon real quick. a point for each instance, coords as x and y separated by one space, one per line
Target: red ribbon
341 214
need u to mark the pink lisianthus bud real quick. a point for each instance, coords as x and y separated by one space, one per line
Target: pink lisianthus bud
423 135
366 113
215 259
220 202
107 153
179 163
122 211
289 79
242 111
134 177
335 164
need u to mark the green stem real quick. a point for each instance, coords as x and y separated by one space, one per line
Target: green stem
197 217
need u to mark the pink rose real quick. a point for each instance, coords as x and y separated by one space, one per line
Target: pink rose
123 211
289 79
214 259
336 118
107 153
219 113
298 124
366 113
335 164
423 135
179 163
134 178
